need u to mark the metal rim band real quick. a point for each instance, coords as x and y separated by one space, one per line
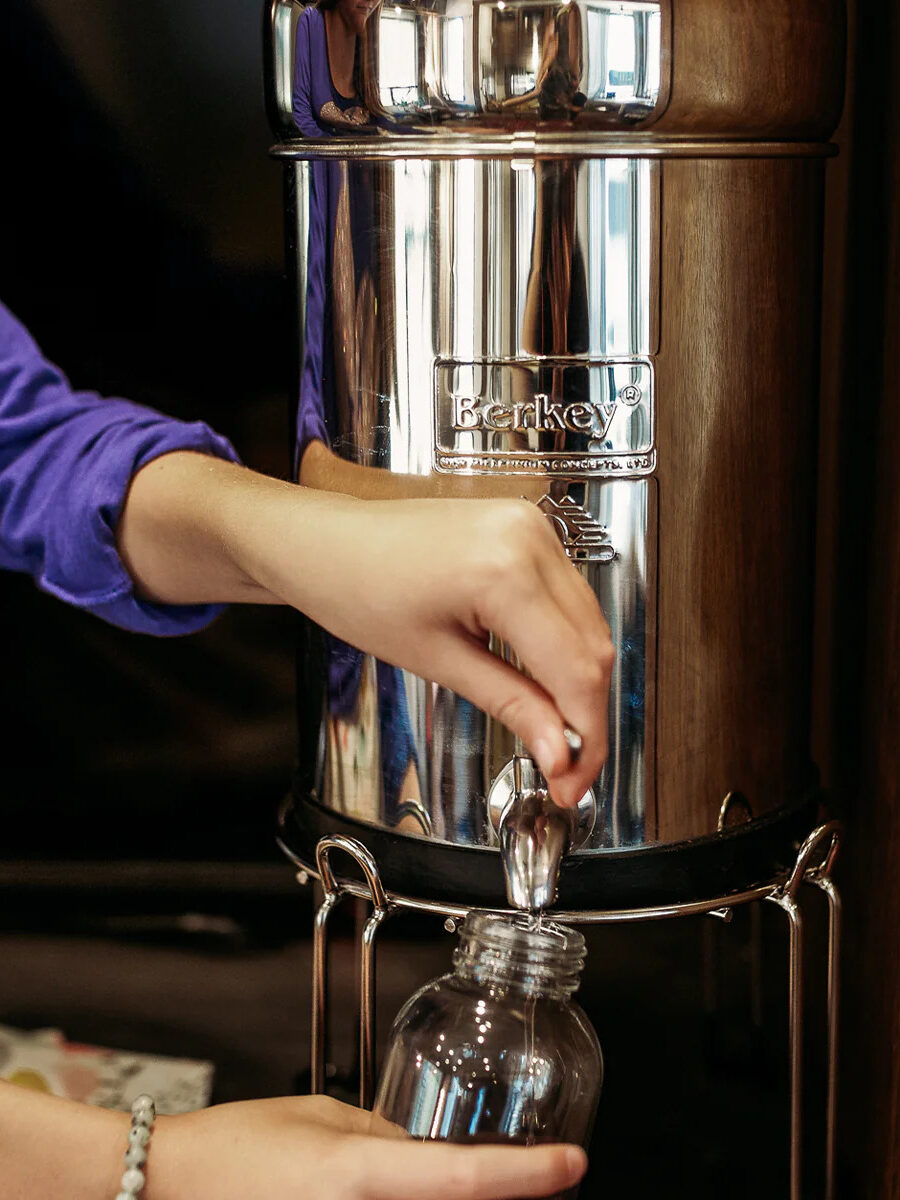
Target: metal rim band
537 145
733 861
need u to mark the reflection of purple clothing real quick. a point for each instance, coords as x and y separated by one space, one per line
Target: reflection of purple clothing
315 407
313 88
66 461
316 402
398 749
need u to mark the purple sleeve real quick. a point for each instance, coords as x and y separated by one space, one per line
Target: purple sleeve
66 461
308 50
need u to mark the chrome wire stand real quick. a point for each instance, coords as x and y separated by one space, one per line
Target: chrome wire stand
814 866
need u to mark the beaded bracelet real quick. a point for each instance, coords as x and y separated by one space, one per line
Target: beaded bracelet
143 1113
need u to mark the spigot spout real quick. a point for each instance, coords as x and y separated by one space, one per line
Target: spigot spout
535 834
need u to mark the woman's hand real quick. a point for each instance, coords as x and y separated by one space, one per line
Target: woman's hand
314 1148
298 1148
418 583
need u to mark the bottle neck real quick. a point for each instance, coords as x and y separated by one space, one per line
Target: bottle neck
514 954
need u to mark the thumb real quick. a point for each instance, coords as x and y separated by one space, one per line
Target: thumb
410 1170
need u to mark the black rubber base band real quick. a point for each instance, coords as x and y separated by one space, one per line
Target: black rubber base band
675 873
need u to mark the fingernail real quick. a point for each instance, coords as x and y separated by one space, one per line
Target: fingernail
575 744
544 756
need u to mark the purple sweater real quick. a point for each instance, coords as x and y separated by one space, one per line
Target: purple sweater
66 461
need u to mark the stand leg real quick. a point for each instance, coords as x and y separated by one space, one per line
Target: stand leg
381 907
834 976
320 992
795 1019
367 1008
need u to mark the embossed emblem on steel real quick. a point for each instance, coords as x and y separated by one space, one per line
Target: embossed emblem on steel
584 538
545 416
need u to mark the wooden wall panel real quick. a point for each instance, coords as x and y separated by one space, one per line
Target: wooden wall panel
756 68
737 386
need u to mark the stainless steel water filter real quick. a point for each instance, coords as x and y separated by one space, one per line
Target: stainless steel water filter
573 255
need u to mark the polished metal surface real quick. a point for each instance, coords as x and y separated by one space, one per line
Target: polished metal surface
381 910
477 275
503 143
477 327
450 369
502 793
463 63
534 401
826 884
534 833
717 907
809 868
280 29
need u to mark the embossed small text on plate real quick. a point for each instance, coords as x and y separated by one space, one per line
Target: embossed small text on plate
545 416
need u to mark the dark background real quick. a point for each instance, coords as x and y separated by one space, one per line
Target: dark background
141 242
142 245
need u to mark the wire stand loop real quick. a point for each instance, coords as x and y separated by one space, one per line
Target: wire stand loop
381 908
818 873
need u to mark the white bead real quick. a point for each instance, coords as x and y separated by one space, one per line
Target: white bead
132 1180
139 1135
143 1116
143 1103
125 1196
135 1156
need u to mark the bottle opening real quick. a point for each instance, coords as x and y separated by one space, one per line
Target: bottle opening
522 951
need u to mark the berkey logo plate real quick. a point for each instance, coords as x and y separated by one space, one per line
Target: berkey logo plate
545 416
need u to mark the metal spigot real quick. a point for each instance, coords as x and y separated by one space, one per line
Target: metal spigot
535 833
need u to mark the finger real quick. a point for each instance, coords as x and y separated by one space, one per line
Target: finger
576 679
411 1170
573 593
577 599
463 664
569 590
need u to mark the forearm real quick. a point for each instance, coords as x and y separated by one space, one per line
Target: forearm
55 1147
321 468
199 530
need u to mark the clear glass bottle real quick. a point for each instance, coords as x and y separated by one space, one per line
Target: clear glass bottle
497 1050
